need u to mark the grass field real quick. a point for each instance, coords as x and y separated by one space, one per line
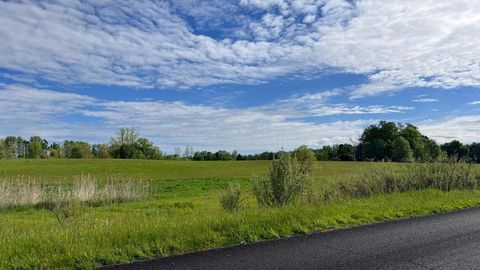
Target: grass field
184 214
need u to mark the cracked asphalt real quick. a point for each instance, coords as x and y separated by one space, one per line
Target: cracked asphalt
442 241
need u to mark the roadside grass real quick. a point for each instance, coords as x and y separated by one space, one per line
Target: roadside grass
33 239
184 213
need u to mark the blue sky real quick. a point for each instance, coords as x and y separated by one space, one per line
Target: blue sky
250 75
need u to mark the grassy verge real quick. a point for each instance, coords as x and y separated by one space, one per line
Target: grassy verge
33 239
183 212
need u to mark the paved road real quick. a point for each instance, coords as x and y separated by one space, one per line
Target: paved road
445 241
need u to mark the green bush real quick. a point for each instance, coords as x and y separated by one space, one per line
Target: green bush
230 198
287 180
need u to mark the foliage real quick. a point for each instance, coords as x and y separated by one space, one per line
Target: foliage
410 177
401 151
378 142
306 159
128 145
230 198
455 149
287 180
384 141
190 218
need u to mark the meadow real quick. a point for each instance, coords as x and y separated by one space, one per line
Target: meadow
182 212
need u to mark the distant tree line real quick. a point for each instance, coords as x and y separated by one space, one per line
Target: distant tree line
125 145
385 141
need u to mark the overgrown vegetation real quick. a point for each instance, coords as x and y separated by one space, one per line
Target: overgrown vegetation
183 212
231 199
411 177
84 189
288 179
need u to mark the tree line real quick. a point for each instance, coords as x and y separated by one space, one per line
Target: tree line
385 141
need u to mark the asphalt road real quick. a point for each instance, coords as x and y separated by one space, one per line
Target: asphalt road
444 241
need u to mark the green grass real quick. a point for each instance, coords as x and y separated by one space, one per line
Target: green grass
185 214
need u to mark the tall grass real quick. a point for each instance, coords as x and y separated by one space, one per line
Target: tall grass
411 177
231 199
85 189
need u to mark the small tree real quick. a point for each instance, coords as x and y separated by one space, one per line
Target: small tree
287 180
401 151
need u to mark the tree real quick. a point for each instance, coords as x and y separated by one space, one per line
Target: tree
321 154
346 152
102 151
35 150
432 149
10 146
474 152
455 149
21 147
125 136
37 147
377 141
148 149
401 151
2 149
415 140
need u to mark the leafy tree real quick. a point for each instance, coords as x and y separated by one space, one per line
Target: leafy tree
2 149
415 140
321 154
10 147
432 149
102 151
401 151
35 150
148 149
474 152
21 147
125 136
346 152
37 147
455 149
377 140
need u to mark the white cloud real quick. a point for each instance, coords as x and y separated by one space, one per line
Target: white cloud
396 44
318 104
425 100
463 128
58 115
474 103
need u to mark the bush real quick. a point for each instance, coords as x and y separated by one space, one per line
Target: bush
410 177
287 180
230 198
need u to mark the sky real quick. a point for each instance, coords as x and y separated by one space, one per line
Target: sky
248 75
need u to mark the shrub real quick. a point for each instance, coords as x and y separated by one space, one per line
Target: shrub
230 198
409 177
287 180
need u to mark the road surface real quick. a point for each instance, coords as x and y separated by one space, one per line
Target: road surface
443 241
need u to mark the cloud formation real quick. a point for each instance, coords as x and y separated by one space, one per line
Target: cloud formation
168 44
464 128
59 115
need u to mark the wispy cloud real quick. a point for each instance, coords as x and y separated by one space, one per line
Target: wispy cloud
463 128
150 44
474 103
425 100
58 115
